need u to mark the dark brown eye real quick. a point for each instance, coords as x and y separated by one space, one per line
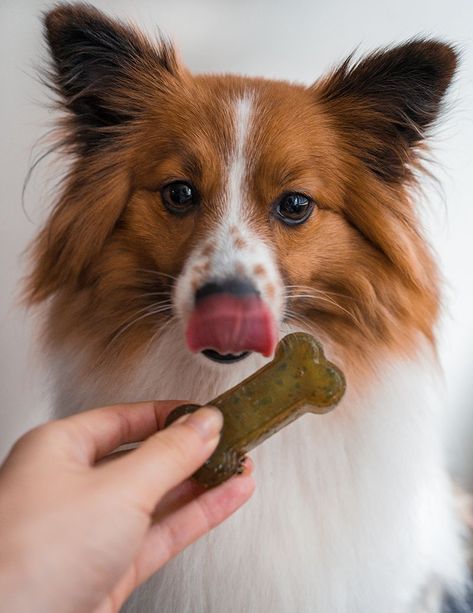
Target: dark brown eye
179 197
294 208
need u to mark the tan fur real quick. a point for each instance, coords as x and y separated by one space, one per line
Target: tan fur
115 266
110 247
360 251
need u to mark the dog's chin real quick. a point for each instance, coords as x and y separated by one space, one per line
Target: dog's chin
228 358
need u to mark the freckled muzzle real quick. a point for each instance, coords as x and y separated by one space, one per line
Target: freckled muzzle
230 320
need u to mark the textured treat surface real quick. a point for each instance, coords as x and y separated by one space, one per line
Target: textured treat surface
298 380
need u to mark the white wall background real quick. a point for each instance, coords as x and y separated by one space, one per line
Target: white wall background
297 40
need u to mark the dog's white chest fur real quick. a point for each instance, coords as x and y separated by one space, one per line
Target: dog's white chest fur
352 512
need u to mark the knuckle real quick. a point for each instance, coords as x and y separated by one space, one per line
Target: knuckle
53 430
38 433
42 435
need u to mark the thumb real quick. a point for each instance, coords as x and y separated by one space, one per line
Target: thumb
168 457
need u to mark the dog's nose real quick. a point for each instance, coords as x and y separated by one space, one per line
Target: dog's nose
235 287
230 318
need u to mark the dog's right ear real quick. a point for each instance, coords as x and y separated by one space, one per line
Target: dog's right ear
97 65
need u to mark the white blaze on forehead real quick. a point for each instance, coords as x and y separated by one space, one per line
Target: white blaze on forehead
233 248
239 159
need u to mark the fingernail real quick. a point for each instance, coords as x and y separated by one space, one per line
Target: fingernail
181 419
248 466
207 421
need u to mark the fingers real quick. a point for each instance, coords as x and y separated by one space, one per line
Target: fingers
100 431
213 507
167 458
185 492
177 498
173 533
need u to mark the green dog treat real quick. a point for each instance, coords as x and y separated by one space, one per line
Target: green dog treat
299 379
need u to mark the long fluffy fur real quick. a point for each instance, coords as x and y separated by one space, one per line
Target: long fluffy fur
353 511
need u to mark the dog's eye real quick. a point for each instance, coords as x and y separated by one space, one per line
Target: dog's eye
294 209
179 197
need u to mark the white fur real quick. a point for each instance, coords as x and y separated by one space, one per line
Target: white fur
352 512
227 259
238 168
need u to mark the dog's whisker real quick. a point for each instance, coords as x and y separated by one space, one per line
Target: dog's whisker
159 331
305 322
326 292
157 273
150 311
153 294
328 300
320 295
145 308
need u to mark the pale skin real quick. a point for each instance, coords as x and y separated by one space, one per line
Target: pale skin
78 533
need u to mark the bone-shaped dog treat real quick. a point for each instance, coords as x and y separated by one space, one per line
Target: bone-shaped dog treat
298 380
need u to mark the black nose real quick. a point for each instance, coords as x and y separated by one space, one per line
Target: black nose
236 287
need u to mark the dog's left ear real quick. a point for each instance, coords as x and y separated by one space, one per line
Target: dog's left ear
384 105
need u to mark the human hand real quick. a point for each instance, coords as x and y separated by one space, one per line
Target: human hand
79 535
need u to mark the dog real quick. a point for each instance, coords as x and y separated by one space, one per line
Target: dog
189 198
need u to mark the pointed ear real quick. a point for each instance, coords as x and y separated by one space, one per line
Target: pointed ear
98 69
384 104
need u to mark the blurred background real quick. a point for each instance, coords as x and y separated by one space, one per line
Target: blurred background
297 40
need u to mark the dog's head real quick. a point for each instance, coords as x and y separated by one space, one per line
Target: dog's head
234 205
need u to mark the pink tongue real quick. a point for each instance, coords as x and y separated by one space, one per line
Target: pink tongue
229 324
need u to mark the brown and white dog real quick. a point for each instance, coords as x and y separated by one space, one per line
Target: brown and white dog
203 217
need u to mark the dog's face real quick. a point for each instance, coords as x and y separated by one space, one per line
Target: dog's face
232 204
236 209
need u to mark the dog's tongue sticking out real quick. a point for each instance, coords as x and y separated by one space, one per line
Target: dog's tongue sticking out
231 325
